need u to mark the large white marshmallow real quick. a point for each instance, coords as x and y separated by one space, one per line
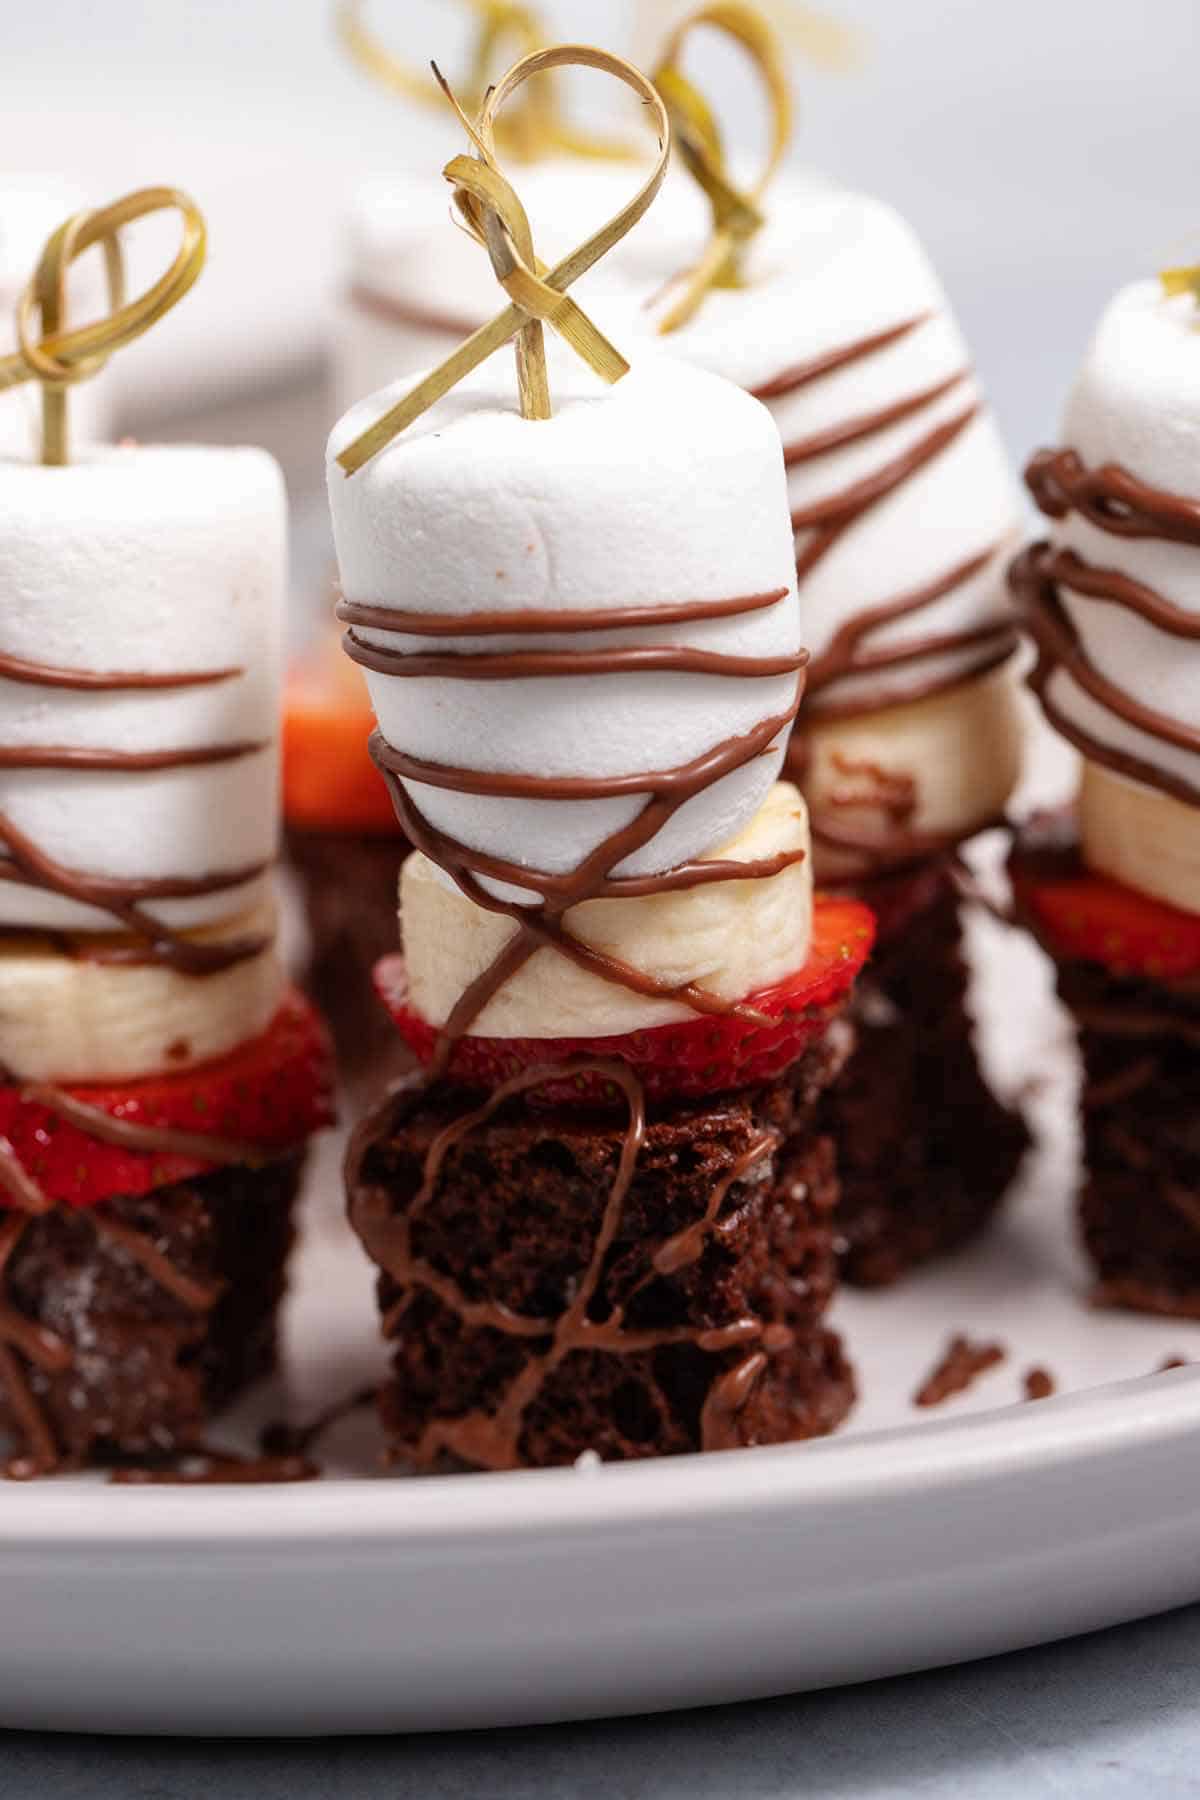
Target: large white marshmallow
668 487
1136 403
144 560
831 269
30 210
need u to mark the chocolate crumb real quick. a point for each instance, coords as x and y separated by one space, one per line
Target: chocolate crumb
1039 1384
1171 1362
962 1363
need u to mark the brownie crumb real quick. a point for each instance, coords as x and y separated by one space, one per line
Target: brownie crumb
1171 1362
961 1363
1039 1384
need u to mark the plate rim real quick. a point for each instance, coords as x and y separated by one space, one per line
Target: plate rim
1022 1437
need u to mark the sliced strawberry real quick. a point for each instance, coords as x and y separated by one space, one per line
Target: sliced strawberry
329 780
269 1094
1089 918
701 1055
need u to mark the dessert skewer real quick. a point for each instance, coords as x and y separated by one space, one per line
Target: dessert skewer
158 1080
905 515
1113 891
414 290
29 211
602 1212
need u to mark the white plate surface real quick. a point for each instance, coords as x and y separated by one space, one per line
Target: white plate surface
913 1538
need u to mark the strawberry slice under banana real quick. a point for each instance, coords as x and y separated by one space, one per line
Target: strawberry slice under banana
699 1056
263 1099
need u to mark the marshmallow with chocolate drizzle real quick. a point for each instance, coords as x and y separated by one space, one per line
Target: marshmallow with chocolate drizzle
558 628
903 506
1112 596
582 640
140 652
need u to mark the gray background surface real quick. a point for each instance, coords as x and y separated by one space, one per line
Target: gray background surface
1046 150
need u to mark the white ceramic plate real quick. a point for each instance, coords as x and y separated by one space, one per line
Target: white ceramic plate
913 1538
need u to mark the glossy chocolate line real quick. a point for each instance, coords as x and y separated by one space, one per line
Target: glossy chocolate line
530 665
36 674
35 869
164 887
197 1296
533 622
829 519
839 660
853 431
1111 498
152 1139
883 699
688 778
20 1187
59 756
400 312
40 1454
804 374
835 514
493 1441
1118 589
665 792
1059 647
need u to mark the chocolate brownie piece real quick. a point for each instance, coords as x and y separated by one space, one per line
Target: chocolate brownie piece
1139 1208
536 1313
926 1152
155 1311
350 885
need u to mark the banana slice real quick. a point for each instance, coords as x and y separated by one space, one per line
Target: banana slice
1141 837
730 937
64 1018
940 767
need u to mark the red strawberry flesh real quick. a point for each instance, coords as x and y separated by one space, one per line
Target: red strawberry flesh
269 1094
698 1056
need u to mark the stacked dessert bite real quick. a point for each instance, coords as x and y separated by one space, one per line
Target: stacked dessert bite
157 1078
1112 600
603 1213
905 515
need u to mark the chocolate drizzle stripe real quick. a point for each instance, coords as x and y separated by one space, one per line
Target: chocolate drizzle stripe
494 1440
1119 589
1111 498
163 1140
977 650
390 311
516 665
20 1187
691 777
36 674
531 622
842 659
804 374
59 756
33 868
854 431
831 516
664 791
197 1296
1059 647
